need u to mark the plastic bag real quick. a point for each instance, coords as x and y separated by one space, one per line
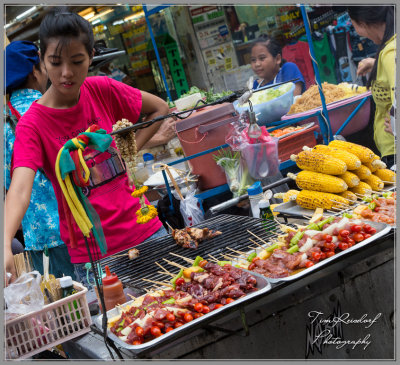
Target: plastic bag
24 295
259 154
190 208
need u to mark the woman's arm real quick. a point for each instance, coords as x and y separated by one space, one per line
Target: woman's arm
297 89
153 107
16 205
163 135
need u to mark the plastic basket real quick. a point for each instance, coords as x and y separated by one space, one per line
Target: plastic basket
56 323
294 143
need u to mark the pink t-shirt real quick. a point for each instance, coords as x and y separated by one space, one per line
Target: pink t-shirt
42 131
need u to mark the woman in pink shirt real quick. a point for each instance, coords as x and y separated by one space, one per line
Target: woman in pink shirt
71 104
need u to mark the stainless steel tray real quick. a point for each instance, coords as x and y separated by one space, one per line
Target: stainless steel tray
381 230
306 126
263 286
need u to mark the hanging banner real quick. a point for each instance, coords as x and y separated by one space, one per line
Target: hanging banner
176 69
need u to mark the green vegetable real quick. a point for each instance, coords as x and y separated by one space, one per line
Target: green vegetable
296 238
273 247
197 261
169 301
313 226
325 221
372 205
388 194
238 266
175 278
137 312
251 256
293 249
223 263
367 199
120 327
347 215
375 196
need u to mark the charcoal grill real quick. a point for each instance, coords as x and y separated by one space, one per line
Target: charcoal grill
234 235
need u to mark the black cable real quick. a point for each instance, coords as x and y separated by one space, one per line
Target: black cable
107 341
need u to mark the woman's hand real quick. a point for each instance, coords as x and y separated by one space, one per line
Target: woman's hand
388 125
163 135
9 266
365 66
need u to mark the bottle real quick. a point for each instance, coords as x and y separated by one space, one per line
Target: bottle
67 288
113 290
148 159
255 195
265 208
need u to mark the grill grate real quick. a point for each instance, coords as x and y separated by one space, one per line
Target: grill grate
234 235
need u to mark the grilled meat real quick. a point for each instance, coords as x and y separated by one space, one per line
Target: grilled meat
190 237
133 253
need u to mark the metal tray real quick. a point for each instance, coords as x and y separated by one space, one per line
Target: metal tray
263 286
306 126
381 230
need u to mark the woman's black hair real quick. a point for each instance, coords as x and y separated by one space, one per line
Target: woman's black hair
371 15
60 23
272 44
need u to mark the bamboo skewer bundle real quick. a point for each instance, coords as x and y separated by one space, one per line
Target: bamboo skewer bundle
259 238
164 269
174 264
213 258
190 261
236 251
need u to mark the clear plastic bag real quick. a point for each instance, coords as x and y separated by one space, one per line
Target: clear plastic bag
190 208
24 295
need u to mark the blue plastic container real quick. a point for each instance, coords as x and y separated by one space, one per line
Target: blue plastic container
271 111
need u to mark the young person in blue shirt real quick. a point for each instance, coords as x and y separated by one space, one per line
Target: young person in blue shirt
268 64
26 81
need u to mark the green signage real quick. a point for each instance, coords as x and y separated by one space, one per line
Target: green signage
176 69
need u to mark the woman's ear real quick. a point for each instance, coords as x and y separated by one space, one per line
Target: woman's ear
279 59
91 57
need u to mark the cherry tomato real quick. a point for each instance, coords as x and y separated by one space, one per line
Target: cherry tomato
188 317
179 281
330 254
178 324
327 237
358 237
329 245
343 246
169 329
367 235
255 259
155 331
367 228
197 315
159 324
219 305
251 266
170 317
206 309
356 228
203 263
229 300
351 242
309 263
139 331
344 233
372 231
316 256
137 342
198 307
341 239
323 255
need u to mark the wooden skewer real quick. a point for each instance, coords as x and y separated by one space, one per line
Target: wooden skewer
239 252
28 266
190 261
389 182
174 264
164 273
230 257
158 282
213 258
339 203
256 243
252 248
259 238
169 226
131 296
163 268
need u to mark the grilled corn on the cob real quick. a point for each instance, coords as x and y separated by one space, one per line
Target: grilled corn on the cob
386 175
349 196
376 164
314 199
363 172
350 179
374 182
286 196
351 160
318 162
363 153
310 180
362 189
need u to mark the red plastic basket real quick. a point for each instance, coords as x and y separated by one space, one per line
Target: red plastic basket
294 143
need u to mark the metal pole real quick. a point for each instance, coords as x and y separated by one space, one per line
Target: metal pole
325 129
363 101
153 40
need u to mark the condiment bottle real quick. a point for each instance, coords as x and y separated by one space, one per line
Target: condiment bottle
255 195
113 290
67 287
265 208
148 159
